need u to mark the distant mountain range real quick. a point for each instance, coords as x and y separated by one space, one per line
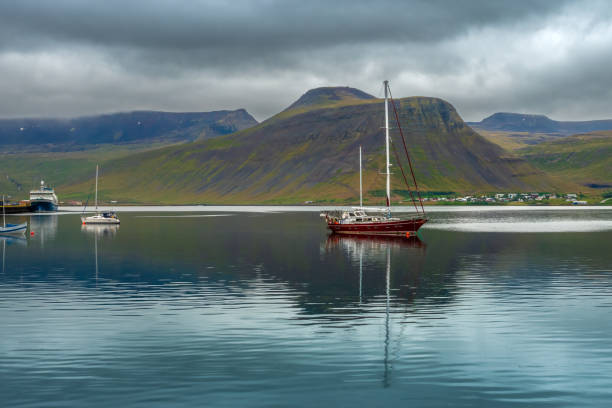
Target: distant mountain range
120 128
309 151
518 122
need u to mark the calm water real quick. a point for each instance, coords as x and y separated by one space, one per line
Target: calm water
233 308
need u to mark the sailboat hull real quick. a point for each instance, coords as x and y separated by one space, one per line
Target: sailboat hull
405 227
98 219
13 228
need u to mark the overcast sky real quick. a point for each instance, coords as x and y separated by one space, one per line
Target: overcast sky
70 58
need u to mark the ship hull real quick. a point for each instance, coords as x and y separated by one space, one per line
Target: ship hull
405 228
43 206
104 221
16 209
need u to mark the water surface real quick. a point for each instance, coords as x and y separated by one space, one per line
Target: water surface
259 306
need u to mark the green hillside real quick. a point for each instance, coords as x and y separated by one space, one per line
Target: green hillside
585 159
21 171
512 141
65 151
309 153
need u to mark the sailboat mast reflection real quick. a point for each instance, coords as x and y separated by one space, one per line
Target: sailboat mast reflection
99 230
10 240
96 256
386 379
359 246
361 275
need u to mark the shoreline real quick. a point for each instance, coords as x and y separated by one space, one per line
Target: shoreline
312 208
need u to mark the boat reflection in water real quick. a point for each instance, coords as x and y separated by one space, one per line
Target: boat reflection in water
44 226
373 243
7 240
378 249
99 231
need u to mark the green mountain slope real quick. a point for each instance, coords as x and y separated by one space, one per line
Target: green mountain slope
585 159
22 171
512 141
310 152
65 151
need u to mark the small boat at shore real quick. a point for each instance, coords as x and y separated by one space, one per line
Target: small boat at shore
378 221
11 228
105 217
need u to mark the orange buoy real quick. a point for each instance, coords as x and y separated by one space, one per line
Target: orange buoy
407 234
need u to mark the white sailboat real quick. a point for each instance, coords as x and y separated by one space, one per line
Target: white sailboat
106 217
11 228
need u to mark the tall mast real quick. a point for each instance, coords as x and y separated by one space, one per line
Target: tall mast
96 188
387 145
3 212
360 180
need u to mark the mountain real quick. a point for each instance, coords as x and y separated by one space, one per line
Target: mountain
330 96
63 151
585 159
119 128
309 152
518 122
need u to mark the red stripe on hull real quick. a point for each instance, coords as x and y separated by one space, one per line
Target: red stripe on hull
390 228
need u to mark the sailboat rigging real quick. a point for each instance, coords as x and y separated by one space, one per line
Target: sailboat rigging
105 217
360 220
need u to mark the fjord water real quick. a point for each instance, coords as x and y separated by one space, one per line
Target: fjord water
232 308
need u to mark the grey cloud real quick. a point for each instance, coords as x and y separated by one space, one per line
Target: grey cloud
77 57
260 26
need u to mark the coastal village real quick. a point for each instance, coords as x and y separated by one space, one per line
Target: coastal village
510 198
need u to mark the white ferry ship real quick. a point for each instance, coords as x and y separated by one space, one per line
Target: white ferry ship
43 199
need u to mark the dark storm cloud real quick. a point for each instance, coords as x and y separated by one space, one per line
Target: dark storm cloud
75 57
249 24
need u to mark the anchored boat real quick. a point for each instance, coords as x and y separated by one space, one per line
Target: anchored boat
379 221
105 217
43 199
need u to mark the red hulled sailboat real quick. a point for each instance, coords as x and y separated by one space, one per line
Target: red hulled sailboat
379 221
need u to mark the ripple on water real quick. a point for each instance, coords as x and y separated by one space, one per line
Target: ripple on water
253 319
524 226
